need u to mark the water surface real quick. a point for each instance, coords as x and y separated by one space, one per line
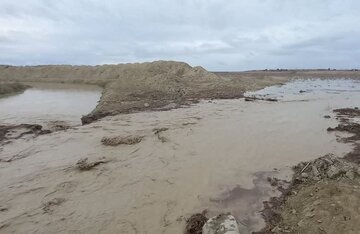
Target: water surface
217 156
44 103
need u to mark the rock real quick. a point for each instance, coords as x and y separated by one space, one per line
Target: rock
300 223
350 174
309 215
315 171
304 175
221 224
333 172
276 229
146 104
327 116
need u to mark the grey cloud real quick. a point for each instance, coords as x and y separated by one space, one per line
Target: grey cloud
217 34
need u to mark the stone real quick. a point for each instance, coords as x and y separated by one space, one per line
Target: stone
304 175
350 174
333 172
315 171
301 223
221 224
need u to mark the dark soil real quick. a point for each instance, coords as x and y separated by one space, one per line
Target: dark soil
346 125
23 129
251 99
195 223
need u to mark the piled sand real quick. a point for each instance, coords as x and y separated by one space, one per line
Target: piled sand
133 87
158 85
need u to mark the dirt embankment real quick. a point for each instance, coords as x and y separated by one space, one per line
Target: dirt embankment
323 195
133 87
157 85
10 88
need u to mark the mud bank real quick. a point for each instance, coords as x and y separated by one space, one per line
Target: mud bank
323 194
11 88
13 132
159 85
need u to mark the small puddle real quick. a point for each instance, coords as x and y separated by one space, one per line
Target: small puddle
48 102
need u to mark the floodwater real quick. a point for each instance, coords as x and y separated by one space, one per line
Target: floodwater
45 103
217 156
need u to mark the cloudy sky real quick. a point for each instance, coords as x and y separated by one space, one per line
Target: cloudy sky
216 34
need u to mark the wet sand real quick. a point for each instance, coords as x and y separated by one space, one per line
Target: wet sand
215 155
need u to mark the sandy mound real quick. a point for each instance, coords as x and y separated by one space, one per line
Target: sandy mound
133 87
159 85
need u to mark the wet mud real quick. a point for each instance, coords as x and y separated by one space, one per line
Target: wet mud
13 132
322 196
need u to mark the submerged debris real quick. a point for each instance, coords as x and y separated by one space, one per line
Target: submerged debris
10 132
158 131
84 165
251 99
119 140
49 206
58 125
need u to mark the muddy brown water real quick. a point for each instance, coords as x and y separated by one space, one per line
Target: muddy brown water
217 156
47 102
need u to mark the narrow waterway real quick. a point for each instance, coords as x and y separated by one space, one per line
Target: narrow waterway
44 103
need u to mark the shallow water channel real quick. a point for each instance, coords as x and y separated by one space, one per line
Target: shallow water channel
217 156
48 102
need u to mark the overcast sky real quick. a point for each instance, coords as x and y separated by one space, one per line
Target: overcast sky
216 34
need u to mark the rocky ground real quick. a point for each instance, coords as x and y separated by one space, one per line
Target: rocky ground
323 195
